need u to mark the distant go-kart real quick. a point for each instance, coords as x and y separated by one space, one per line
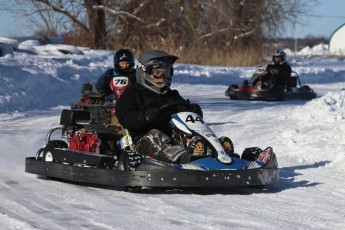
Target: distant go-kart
293 90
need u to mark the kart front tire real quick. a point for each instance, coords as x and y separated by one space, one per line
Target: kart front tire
227 145
124 165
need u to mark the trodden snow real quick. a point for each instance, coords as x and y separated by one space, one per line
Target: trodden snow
38 81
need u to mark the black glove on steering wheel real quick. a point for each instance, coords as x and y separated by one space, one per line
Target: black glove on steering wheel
151 115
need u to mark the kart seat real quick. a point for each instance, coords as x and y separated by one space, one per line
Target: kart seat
292 82
71 117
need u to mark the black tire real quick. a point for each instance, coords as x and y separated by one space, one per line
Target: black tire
227 144
280 98
197 146
48 155
251 154
124 165
305 87
48 151
196 149
233 97
307 93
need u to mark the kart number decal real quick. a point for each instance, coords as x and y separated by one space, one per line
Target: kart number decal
120 81
190 118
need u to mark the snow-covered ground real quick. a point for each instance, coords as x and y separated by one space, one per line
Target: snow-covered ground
37 82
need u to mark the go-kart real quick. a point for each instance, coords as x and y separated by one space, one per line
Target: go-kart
293 90
99 151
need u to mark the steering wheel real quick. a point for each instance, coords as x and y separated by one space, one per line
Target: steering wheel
173 107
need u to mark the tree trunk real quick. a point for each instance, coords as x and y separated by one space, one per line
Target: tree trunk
97 23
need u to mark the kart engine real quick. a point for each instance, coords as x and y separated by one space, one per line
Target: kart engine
85 141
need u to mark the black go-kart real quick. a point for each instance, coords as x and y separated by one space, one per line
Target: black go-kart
293 90
95 149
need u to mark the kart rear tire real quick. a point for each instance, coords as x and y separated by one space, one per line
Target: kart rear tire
305 87
48 156
279 98
48 151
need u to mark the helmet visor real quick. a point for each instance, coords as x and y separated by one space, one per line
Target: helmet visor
277 59
160 71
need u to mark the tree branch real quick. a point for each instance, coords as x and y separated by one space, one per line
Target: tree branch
120 12
62 10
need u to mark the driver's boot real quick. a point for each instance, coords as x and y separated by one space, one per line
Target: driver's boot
159 146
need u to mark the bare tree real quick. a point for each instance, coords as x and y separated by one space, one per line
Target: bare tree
82 14
201 31
97 24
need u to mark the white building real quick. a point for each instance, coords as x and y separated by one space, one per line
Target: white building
337 41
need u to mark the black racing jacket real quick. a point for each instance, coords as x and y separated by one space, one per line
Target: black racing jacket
134 101
284 73
280 79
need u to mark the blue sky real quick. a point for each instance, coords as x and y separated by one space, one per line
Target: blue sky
329 15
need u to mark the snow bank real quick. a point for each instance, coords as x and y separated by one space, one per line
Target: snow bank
7 46
329 108
36 71
317 127
321 49
30 81
9 41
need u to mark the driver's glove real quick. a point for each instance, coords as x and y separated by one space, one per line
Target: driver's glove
274 72
150 115
196 109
